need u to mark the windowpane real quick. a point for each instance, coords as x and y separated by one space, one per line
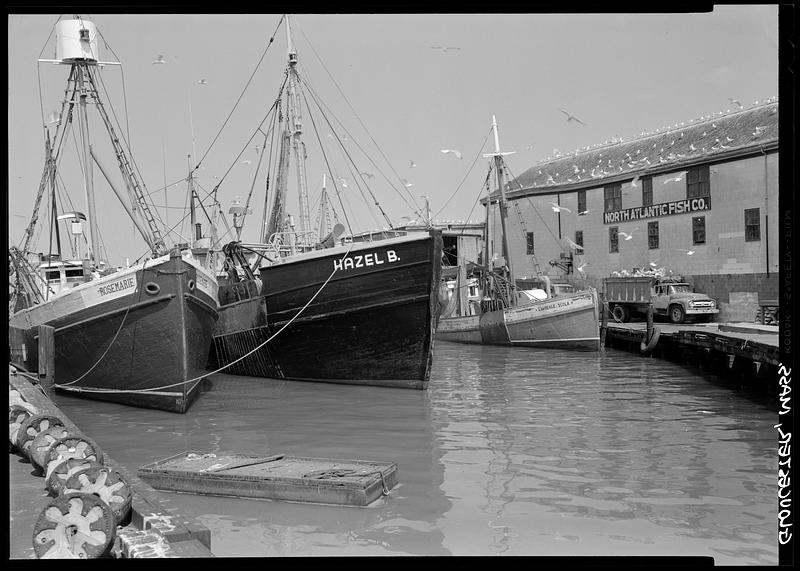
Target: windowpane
752 225
613 197
647 191
613 239
529 243
698 182
699 230
652 235
581 201
579 238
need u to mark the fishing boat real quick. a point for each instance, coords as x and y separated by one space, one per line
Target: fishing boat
137 335
505 314
322 304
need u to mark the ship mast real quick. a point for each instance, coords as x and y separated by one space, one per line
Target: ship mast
295 125
498 161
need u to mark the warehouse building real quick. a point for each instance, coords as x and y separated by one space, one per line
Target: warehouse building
698 199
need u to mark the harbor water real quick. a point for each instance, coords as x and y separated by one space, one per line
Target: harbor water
508 452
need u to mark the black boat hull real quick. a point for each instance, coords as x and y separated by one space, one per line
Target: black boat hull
361 314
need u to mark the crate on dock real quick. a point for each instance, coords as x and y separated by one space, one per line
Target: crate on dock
277 477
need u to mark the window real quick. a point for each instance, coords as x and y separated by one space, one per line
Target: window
579 240
652 235
699 230
581 203
529 243
698 182
613 197
647 191
752 225
53 275
613 239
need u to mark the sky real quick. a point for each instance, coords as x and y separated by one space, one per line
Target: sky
385 79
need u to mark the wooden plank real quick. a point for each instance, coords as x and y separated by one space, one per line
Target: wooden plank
47 357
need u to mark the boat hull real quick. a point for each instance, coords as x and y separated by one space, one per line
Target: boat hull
138 337
362 314
565 322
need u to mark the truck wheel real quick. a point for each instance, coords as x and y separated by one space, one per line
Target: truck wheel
676 314
621 313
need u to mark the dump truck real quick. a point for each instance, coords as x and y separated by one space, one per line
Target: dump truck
672 297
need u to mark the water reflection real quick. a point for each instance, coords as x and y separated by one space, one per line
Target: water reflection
510 452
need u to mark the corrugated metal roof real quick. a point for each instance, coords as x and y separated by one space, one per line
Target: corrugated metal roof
702 140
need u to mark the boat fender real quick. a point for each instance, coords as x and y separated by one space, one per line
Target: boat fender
74 526
191 285
107 484
40 447
152 288
71 447
64 471
31 428
647 348
17 414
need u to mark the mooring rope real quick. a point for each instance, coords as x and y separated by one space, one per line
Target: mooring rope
161 388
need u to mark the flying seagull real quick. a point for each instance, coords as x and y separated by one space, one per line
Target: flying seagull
246 162
735 102
584 212
559 208
571 117
674 179
627 236
54 117
688 252
367 174
580 268
202 82
413 164
444 48
455 152
406 183
160 59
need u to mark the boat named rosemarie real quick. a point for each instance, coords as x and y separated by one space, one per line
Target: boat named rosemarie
318 304
138 335
506 315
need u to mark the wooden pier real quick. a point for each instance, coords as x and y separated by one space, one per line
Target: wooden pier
742 352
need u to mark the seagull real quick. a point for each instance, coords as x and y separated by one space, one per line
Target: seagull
413 164
688 252
202 82
529 148
653 264
54 117
343 181
559 208
572 244
455 152
674 179
160 59
633 183
584 212
583 265
735 102
246 162
571 117
626 235
444 48
367 174
258 149
406 183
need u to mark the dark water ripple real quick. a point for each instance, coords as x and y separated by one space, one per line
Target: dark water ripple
510 451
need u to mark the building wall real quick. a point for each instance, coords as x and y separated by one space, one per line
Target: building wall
726 266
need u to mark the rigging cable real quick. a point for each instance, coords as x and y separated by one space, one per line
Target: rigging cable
356 115
271 40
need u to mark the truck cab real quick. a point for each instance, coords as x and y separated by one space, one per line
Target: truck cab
676 300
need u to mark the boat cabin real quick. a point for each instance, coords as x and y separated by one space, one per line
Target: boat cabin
59 276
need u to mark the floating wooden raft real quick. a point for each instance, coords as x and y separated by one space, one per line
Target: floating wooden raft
278 477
